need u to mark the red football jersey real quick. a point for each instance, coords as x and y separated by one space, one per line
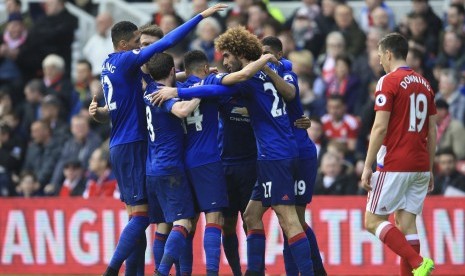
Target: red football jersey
410 99
345 129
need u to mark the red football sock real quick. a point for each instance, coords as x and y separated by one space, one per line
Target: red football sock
395 240
405 268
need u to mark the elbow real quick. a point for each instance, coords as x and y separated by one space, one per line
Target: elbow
380 131
183 113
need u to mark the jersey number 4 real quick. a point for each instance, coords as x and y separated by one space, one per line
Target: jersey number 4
195 119
418 111
108 87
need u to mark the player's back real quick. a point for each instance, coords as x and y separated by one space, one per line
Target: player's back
410 99
269 119
202 131
122 89
295 111
165 154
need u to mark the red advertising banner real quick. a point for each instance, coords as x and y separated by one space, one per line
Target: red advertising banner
78 236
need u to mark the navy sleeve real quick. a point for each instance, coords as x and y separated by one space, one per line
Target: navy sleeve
203 91
168 105
169 40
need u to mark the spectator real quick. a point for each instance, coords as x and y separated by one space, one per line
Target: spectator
83 80
448 91
13 37
456 19
49 112
420 38
353 35
30 110
74 183
450 132
165 7
434 22
240 9
53 33
372 12
6 104
325 21
15 6
42 153
207 30
452 53
344 83
11 156
316 133
306 32
416 61
338 125
381 20
332 180
57 84
80 146
29 185
257 17
309 8
448 180
335 45
99 44
288 43
101 182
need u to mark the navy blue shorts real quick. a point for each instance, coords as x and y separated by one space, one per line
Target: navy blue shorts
209 187
240 180
128 165
275 182
173 194
155 212
305 181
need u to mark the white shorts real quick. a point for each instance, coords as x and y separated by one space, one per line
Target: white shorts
397 191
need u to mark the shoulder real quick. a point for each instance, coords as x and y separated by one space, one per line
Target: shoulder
326 118
351 121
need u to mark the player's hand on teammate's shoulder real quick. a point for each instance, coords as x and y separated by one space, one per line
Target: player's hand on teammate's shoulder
163 95
303 122
366 178
216 8
214 70
271 58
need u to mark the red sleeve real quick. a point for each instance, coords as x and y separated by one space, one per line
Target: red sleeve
384 95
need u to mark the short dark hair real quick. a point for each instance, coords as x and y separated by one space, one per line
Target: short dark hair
86 62
123 30
26 173
440 103
152 30
336 97
446 151
460 8
37 85
274 42
192 60
160 66
345 58
396 44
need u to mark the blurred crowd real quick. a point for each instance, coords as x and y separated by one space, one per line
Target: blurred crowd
50 146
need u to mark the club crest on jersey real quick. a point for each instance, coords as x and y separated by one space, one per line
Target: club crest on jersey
288 78
380 100
136 51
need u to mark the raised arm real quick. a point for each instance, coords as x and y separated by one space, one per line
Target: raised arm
248 71
99 114
176 35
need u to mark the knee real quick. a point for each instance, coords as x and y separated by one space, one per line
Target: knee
215 217
371 224
250 219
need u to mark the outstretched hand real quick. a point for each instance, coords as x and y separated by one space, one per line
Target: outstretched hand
216 8
163 95
304 122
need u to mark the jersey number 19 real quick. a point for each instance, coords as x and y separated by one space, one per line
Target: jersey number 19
418 111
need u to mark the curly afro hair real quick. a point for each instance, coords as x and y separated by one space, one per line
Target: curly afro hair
239 42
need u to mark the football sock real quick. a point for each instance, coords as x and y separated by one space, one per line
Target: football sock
300 249
405 268
395 240
135 263
129 239
255 250
174 246
186 258
231 250
289 264
318 267
158 248
212 247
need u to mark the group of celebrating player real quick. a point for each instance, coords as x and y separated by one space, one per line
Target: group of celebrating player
218 144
